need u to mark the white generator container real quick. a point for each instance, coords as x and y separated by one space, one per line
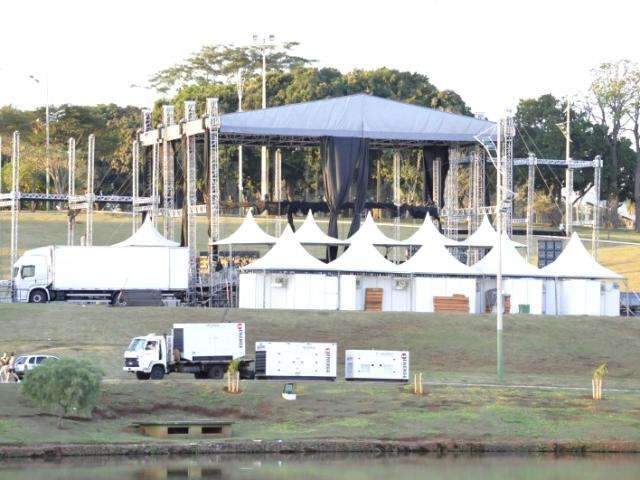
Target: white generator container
383 365
294 360
207 342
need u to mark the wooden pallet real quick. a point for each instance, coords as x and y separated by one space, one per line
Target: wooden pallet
456 303
373 299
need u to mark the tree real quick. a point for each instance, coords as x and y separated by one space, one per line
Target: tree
216 63
611 94
63 386
634 115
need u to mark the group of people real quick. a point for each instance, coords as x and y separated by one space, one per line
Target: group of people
7 368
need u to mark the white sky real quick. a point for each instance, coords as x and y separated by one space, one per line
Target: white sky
491 52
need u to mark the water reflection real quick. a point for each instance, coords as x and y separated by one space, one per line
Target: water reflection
328 466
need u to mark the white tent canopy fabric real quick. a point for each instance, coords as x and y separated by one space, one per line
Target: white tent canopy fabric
287 255
362 257
310 233
435 259
513 264
576 262
485 236
428 234
147 236
370 233
248 233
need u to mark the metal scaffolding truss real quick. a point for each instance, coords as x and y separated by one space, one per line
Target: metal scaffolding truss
190 161
168 171
82 202
71 190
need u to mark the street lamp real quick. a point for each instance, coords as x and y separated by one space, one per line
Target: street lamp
264 43
46 129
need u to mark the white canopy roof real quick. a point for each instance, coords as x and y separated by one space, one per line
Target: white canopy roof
370 233
147 236
435 259
513 264
248 233
485 236
576 262
428 234
287 255
310 233
362 256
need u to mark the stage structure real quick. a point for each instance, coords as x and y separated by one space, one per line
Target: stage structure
346 127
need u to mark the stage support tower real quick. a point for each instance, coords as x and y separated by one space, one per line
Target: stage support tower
212 112
15 198
168 172
71 190
191 193
91 155
277 186
531 178
597 179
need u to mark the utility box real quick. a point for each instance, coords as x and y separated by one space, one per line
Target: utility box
208 342
295 360
383 365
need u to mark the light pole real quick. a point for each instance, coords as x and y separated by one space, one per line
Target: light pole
499 302
46 129
264 43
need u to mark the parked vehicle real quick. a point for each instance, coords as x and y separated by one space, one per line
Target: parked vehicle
296 360
29 362
203 349
66 272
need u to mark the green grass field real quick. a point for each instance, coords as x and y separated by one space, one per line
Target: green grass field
538 351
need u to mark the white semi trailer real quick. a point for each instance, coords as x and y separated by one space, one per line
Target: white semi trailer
203 349
69 272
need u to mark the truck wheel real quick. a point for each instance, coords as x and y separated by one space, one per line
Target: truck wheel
38 296
157 372
216 372
142 375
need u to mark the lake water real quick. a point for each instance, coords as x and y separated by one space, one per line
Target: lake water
329 467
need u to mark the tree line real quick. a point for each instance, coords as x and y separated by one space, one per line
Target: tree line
604 122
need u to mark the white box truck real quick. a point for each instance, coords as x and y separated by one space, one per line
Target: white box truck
203 349
68 272
382 365
295 360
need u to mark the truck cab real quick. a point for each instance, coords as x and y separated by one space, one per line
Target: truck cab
31 276
147 356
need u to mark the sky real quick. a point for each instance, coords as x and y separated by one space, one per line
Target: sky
491 52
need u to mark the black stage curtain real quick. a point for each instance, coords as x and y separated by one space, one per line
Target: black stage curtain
346 161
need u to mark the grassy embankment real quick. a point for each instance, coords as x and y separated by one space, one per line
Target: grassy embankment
538 350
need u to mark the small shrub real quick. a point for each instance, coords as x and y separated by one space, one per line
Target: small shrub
63 386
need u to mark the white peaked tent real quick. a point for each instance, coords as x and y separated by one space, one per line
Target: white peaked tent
579 285
485 236
286 255
248 233
435 272
522 281
428 234
370 233
147 236
310 233
362 267
287 276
